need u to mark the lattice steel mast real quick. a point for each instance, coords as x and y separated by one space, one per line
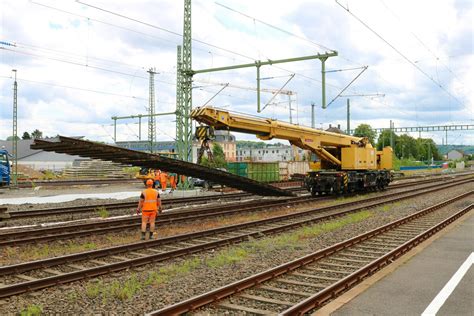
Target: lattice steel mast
15 132
151 111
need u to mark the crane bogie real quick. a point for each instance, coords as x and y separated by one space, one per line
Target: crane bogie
342 182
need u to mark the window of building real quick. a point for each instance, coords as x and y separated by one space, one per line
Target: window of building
278 151
273 151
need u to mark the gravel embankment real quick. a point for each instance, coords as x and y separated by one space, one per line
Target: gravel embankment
155 286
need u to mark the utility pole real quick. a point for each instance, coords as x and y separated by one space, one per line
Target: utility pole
348 117
323 82
289 105
139 128
312 114
446 137
15 132
180 150
151 110
391 135
115 129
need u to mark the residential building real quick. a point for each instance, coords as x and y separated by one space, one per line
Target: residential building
39 159
455 154
227 141
270 154
223 138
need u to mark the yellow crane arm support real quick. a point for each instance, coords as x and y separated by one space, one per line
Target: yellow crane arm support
317 141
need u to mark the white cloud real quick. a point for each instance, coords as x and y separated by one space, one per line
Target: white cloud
108 62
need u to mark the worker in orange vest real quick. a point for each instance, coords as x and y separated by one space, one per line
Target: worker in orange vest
163 180
157 178
150 206
173 180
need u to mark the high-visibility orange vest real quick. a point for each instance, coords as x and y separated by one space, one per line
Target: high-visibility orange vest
151 198
157 175
164 176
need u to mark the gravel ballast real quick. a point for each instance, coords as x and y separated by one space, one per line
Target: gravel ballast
154 286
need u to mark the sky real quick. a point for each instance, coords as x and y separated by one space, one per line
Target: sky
81 62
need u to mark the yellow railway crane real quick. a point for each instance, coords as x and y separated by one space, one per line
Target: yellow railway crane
348 163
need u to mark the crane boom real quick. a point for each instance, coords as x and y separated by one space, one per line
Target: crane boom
326 145
350 163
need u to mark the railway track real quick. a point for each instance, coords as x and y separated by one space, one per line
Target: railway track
15 237
68 183
166 202
309 282
122 205
35 275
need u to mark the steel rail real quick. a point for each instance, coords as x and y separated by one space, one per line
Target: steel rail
332 291
120 205
172 201
313 301
167 218
18 288
9 238
54 183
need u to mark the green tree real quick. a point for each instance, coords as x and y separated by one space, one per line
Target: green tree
10 138
37 134
218 158
249 143
433 149
406 147
384 139
26 135
365 130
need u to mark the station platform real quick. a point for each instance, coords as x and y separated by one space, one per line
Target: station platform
420 283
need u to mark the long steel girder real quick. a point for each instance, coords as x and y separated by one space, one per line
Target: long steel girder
72 146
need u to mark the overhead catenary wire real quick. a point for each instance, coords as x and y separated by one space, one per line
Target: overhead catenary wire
300 75
275 27
83 65
76 88
438 84
196 40
347 86
419 40
202 42
161 28
121 27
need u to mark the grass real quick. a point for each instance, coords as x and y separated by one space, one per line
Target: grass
131 171
125 291
32 310
48 175
229 256
35 252
102 212
117 290
167 272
